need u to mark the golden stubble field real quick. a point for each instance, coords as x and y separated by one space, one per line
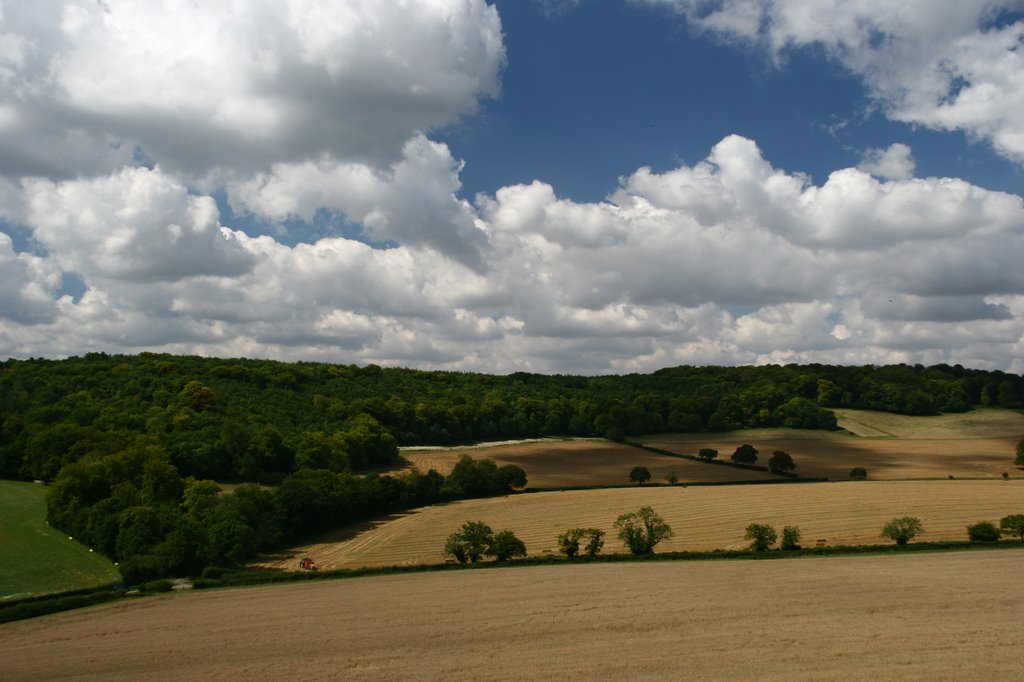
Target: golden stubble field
949 616
977 444
556 464
703 517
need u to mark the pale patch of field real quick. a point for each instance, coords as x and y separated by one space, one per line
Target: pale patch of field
977 424
884 459
924 617
558 464
703 517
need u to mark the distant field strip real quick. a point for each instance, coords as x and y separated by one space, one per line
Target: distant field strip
884 459
942 616
704 518
979 423
36 559
556 464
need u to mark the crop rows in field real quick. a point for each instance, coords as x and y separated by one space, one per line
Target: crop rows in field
922 617
703 518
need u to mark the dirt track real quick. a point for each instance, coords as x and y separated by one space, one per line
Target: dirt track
943 616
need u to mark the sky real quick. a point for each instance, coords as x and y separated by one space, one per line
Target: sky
558 186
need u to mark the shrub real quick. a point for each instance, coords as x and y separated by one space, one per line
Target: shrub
745 455
140 569
569 541
1006 476
639 475
506 546
1013 525
781 461
470 542
903 530
642 530
595 541
791 538
762 537
158 586
983 531
858 473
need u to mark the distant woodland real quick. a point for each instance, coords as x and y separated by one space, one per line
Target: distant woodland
138 448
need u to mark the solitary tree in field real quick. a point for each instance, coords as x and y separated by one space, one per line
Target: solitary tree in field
672 478
762 537
707 453
639 475
903 530
642 530
858 473
745 455
781 461
1013 525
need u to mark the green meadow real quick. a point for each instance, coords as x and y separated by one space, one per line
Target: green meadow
36 559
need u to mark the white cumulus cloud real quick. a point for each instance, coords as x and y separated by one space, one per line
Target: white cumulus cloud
948 67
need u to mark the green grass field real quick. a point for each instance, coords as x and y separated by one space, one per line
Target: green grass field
36 559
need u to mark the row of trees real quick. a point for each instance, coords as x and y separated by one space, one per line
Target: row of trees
642 530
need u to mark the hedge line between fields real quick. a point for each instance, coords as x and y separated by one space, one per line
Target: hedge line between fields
718 462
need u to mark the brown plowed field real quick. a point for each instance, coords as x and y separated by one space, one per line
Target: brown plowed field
556 464
704 518
884 459
928 617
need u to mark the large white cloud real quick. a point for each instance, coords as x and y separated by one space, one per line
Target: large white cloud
413 202
729 260
958 66
137 225
195 86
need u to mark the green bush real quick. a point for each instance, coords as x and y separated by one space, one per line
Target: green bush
791 538
983 531
642 530
903 530
157 586
858 473
762 537
215 572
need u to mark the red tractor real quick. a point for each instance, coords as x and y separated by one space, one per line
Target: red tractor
307 564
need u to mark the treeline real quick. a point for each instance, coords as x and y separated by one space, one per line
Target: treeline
134 507
259 420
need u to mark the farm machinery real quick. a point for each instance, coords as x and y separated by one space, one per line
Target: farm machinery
307 564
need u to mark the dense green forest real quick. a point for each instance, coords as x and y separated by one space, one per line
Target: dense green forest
136 447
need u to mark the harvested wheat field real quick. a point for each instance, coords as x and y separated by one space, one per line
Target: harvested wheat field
558 464
703 517
924 617
884 459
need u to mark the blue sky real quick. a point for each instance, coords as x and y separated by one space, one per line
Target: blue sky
597 90
589 186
